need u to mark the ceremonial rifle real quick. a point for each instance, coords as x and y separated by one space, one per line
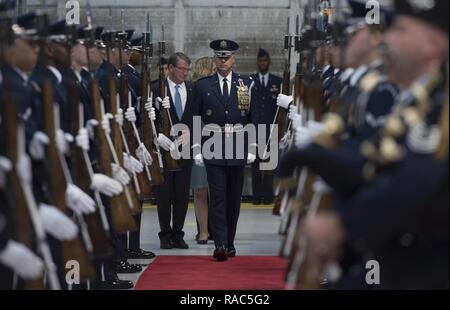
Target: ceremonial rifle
149 133
27 225
170 163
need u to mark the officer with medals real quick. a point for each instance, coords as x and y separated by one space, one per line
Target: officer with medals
224 103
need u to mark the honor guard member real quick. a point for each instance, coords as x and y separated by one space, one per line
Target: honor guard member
162 62
111 69
130 69
134 250
265 92
398 217
224 103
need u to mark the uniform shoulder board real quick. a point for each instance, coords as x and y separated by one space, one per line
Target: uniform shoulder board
205 78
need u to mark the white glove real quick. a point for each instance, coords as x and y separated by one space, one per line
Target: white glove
250 158
152 114
57 223
78 201
184 138
198 159
82 139
105 123
165 103
24 168
166 143
130 115
90 126
22 261
293 115
284 101
106 185
37 145
303 137
144 155
315 127
63 141
120 175
132 164
5 167
148 105
119 117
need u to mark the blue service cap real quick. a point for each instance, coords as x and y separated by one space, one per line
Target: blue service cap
224 48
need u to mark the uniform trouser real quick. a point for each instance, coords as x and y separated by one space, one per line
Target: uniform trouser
6 278
117 244
262 184
133 239
225 185
172 200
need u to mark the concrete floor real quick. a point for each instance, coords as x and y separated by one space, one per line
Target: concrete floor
257 234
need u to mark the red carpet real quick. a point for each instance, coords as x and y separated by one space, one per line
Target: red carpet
204 273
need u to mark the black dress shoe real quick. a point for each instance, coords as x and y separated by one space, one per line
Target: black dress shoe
202 241
220 254
166 245
180 244
125 267
268 201
257 201
116 284
231 251
140 254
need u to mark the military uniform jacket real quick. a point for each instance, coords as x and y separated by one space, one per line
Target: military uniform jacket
216 114
59 94
24 97
265 101
401 215
103 75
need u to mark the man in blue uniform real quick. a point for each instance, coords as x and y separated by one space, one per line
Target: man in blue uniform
224 103
265 92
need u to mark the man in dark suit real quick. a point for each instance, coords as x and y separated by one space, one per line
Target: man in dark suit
224 103
174 193
265 93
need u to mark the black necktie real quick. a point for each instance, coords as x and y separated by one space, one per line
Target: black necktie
225 90
263 81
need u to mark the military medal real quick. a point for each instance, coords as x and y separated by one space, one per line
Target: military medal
243 94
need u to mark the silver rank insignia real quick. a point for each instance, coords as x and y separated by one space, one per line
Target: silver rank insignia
223 44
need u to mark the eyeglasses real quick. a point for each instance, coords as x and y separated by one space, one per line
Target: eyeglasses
183 69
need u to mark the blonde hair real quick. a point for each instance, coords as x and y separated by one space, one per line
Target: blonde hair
203 67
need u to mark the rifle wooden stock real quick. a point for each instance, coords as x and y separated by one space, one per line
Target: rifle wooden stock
73 249
135 206
121 218
170 164
281 119
145 188
148 135
99 237
22 224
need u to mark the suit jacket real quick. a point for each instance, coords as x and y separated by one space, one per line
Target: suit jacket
186 119
215 113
